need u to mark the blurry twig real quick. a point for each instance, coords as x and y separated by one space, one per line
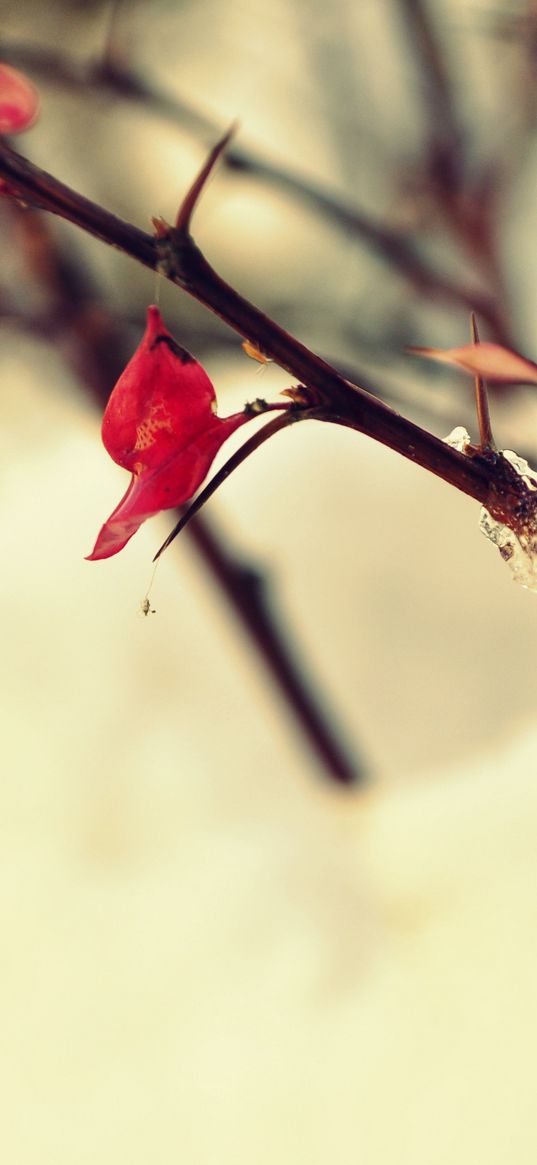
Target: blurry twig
394 247
97 345
464 193
446 140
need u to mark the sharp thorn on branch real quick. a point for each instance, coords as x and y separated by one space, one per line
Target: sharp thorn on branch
290 417
191 199
486 439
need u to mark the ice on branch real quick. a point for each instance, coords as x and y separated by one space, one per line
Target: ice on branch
518 550
458 439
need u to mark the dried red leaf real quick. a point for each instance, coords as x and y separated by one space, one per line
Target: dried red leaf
19 101
490 361
160 423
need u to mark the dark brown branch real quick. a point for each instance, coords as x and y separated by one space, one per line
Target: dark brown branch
175 255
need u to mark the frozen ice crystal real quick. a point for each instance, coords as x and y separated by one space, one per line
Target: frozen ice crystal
458 439
519 551
521 467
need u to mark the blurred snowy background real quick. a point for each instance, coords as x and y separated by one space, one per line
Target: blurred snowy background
209 952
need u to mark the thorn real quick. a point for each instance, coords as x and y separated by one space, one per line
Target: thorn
486 439
245 451
189 203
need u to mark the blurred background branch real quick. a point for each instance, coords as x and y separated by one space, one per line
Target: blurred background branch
395 248
97 345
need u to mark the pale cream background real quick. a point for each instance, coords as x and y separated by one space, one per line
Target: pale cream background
206 953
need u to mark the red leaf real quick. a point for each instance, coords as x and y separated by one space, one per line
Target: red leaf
160 423
490 361
19 101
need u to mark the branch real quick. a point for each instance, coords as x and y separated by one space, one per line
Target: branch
485 477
